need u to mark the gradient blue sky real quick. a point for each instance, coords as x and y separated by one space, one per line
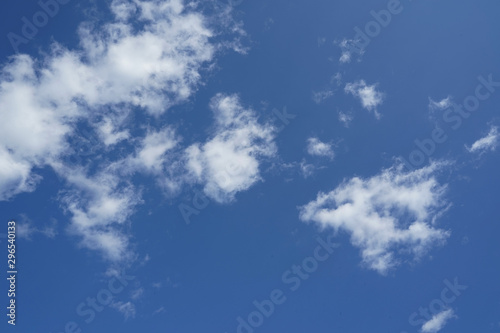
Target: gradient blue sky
117 117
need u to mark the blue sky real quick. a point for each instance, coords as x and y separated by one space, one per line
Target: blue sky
250 166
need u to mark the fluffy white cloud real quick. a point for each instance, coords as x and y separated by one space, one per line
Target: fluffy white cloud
229 161
369 96
438 321
388 214
489 142
152 67
32 128
149 57
317 148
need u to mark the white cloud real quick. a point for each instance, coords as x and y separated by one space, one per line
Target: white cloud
370 98
156 155
440 105
149 57
306 169
154 147
336 79
489 142
388 214
15 175
100 206
348 47
26 229
109 133
345 57
229 162
317 148
127 309
159 310
123 9
319 96
153 67
345 118
32 130
438 321
138 293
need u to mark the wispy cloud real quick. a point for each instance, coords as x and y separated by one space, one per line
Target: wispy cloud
306 169
489 142
25 228
345 118
438 321
440 105
348 47
320 96
159 310
125 308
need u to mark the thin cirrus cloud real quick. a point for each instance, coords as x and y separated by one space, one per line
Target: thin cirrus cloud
368 95
320 96
149 56
438 321
489 142
388 214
